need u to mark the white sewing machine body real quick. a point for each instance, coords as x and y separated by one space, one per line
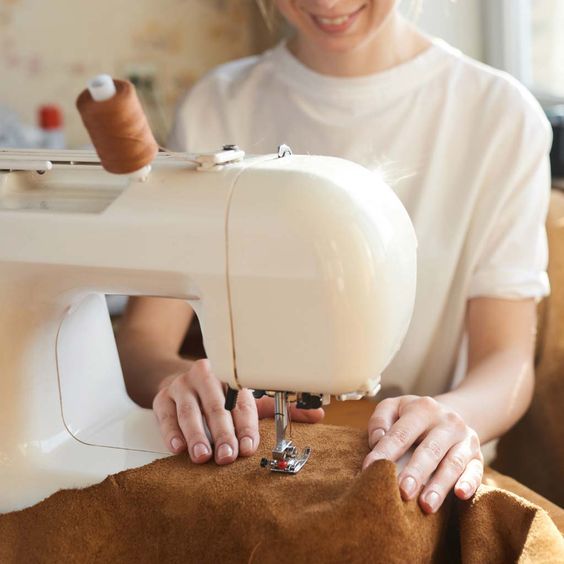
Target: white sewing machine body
301 271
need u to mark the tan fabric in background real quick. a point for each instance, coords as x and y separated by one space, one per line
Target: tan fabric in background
174 511
533 451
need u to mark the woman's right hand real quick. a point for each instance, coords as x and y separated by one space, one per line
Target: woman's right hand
184 400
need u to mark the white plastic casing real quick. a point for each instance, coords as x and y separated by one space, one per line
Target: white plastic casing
321 261
301 271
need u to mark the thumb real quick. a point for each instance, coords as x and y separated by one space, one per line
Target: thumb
265 408
306 415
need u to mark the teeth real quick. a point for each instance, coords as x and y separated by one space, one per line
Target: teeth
333 21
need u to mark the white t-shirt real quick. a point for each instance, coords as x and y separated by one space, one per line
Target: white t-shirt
465 148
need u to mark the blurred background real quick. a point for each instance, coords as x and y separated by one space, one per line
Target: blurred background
48 49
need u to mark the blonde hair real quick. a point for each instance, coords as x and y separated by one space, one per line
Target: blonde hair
269 14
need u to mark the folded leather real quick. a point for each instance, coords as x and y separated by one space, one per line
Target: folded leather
175 511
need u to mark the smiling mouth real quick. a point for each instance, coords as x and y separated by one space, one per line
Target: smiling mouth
336 24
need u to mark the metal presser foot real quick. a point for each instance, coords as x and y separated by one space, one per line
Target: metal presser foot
285 457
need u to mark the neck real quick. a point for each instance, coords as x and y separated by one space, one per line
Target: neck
395 42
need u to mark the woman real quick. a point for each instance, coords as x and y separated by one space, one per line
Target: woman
466 149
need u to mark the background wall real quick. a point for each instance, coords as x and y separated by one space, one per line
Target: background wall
49 48
457 21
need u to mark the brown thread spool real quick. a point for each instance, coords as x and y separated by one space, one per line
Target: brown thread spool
118 129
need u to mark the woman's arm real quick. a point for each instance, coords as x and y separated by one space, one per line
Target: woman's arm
149 337
448 429
183 392
499 384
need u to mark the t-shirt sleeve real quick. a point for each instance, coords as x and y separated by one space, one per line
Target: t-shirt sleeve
178 135
200 123
513 259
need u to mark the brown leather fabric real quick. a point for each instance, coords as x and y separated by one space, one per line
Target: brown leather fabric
533 451
356 414
174 511
500 481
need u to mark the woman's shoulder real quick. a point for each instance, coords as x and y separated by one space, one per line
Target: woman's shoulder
493 93
228 78
207 109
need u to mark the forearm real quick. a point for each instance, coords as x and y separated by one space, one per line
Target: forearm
145 366
495 393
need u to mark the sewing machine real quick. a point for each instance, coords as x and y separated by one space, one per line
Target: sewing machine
301 270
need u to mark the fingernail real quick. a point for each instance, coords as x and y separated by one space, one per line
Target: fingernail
376 435
224 451
176 443
465 488
200 449
246 444
408 485
432 500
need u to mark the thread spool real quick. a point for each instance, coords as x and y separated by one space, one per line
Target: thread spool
117 125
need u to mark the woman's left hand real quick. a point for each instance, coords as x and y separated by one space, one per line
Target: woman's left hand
447 455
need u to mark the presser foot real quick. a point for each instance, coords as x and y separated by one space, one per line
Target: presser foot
286 459
285 456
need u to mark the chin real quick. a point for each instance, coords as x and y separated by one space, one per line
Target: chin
338 44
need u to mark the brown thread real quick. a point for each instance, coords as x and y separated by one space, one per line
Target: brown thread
254 552
118 129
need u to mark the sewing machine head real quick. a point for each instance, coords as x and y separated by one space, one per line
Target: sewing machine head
300 269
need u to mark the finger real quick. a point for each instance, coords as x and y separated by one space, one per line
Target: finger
219 420
165 412
403 433
427 457
189 417
470 480
306 415
452 467
265 408
384 416
245 418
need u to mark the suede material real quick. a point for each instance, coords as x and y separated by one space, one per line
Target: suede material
175 511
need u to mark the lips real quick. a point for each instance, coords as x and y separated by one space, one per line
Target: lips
336 24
